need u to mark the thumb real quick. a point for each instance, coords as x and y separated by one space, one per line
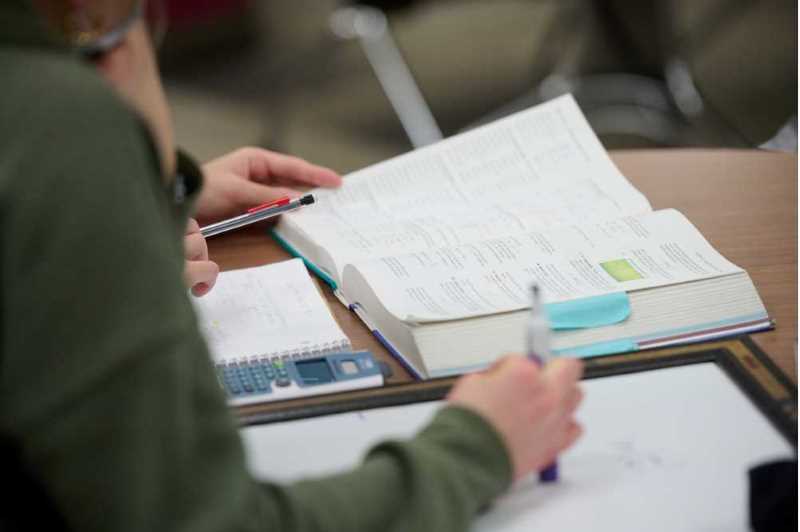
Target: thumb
200 276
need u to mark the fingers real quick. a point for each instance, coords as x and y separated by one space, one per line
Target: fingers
504 363
200 276
192 226
532 408
195 247
563 372
567 438
571 435
573 401
194 243
562 376
281 169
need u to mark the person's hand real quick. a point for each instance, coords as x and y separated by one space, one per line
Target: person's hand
199 273
531 408
252 176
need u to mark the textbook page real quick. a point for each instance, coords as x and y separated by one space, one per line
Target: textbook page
537 169
265 311
491 276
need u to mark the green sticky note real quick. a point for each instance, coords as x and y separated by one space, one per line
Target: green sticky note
621 270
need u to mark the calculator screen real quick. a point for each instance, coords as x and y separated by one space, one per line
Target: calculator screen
314 371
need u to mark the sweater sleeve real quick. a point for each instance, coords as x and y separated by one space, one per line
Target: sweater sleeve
107 385
435 481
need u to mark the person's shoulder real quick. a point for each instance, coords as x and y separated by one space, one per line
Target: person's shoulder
52 96
59 117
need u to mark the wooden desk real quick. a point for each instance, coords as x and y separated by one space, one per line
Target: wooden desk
744 202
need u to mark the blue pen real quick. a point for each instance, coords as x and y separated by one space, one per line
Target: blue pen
539 351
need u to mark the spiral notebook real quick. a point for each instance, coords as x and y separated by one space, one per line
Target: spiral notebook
268 311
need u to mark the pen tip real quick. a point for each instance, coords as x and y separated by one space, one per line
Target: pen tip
307 199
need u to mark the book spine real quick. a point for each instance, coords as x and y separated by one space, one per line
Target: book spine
313 268
397 355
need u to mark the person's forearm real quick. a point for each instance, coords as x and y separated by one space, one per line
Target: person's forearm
436 481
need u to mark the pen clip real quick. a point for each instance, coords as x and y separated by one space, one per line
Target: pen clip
276 203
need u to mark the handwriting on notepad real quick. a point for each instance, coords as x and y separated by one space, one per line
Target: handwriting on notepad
635 458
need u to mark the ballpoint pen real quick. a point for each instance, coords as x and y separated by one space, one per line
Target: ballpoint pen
256 214
539 351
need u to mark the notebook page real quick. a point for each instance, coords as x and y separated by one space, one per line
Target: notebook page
664 450
541 168
267 310
633 253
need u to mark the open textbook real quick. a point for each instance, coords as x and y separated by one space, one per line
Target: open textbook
435 249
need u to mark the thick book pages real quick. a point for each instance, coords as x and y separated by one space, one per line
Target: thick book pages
436 249
268 311
672 315
569 263
538 169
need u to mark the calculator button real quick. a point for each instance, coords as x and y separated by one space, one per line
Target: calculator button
283 382
349 367
247 383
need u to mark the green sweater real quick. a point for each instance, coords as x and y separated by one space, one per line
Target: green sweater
106 386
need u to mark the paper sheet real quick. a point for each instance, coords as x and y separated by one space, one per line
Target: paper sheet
267 310
627 254
665 450
540 168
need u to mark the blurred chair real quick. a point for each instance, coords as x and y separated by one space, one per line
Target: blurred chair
366 23
656 94
652 95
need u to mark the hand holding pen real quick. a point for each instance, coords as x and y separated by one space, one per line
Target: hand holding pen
254 176
257 214
531 407
538 344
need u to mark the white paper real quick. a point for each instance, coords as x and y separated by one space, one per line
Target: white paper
537 169
665 450
632 253
268 310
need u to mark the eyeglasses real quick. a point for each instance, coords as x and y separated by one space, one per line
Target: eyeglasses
95 27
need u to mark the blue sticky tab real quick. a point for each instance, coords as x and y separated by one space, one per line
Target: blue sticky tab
587 312
612 347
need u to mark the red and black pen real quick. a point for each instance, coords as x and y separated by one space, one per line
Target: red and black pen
257 214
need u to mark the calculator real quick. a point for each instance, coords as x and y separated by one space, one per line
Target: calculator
277 378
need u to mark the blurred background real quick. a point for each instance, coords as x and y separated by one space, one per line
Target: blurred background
347 84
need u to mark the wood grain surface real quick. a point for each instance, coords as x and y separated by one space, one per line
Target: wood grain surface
743 201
